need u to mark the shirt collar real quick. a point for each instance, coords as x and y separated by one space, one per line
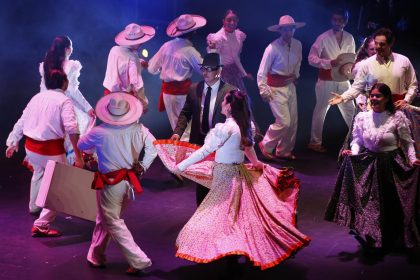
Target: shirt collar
214 86
382 61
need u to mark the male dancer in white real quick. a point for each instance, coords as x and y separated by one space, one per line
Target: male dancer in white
323 55
278 72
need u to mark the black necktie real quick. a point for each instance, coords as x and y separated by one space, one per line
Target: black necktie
205 121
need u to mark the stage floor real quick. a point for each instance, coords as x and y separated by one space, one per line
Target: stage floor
156 217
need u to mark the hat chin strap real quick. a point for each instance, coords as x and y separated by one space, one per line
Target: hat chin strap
182 29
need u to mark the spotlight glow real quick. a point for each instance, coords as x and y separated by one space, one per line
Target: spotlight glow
144 53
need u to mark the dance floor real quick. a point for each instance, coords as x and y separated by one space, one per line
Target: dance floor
156 217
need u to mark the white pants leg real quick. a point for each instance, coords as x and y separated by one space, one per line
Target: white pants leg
173 106
281 135
111 201
39 162
323 91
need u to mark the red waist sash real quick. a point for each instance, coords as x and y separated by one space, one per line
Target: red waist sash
397 97
114 177
47 148
325 75
276 80
173 88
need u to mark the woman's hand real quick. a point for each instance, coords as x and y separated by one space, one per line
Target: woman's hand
10 150
258 165
346 153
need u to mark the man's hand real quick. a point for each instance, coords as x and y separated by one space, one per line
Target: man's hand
258 165
10 150
144 63
400 104
175 137
249 76
337 99
78 162
335 62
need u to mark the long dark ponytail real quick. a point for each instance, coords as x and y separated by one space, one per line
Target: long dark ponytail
56 54
241 113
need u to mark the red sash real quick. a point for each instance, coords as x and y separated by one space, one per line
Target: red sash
325 75
276 80
397 97
47 148
114 177
173 88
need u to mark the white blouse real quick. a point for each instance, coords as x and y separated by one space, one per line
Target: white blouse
225 139
72 69
229 46
382 132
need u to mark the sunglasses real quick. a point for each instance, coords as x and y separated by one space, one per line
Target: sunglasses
208 68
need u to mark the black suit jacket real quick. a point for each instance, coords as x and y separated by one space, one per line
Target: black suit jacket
192 110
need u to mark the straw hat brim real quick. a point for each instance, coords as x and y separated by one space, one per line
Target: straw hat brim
171 30
133 114
276 28
342 72
149 33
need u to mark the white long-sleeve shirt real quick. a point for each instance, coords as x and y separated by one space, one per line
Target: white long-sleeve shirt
118 147
123 70
326 48
382 132
175 60
72 69
225 139
48 116
229 46
279 59
398 73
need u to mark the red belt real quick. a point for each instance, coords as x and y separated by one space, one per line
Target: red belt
173 88
276 80
325 75
47 148
397 97
114 177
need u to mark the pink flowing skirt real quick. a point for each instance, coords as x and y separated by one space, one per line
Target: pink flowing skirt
246 212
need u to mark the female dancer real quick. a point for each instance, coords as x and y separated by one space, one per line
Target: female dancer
376 193
57 57
243 214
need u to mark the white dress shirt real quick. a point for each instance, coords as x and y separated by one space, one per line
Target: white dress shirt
48 116
214 91
175 60
123 70
118 147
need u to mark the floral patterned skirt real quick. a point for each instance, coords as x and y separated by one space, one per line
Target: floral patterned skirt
246 212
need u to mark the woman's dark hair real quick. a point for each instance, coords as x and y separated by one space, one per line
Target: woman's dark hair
241 113
56 54
55 79
386 92
362 52
230 11
390 38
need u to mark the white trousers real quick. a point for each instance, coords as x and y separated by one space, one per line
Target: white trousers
323 91
173 106
281 135
111 201
39 162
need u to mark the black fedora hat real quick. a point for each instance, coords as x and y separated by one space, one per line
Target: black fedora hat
211 60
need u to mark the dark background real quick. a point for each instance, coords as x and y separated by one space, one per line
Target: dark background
27 29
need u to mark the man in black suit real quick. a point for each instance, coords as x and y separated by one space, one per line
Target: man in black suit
203 107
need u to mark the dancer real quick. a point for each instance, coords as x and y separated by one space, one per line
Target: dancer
228 43
124 66
58 57
323 55
388 67
242 214
46 119
377 186
176 61
203 103
118 142
277 75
